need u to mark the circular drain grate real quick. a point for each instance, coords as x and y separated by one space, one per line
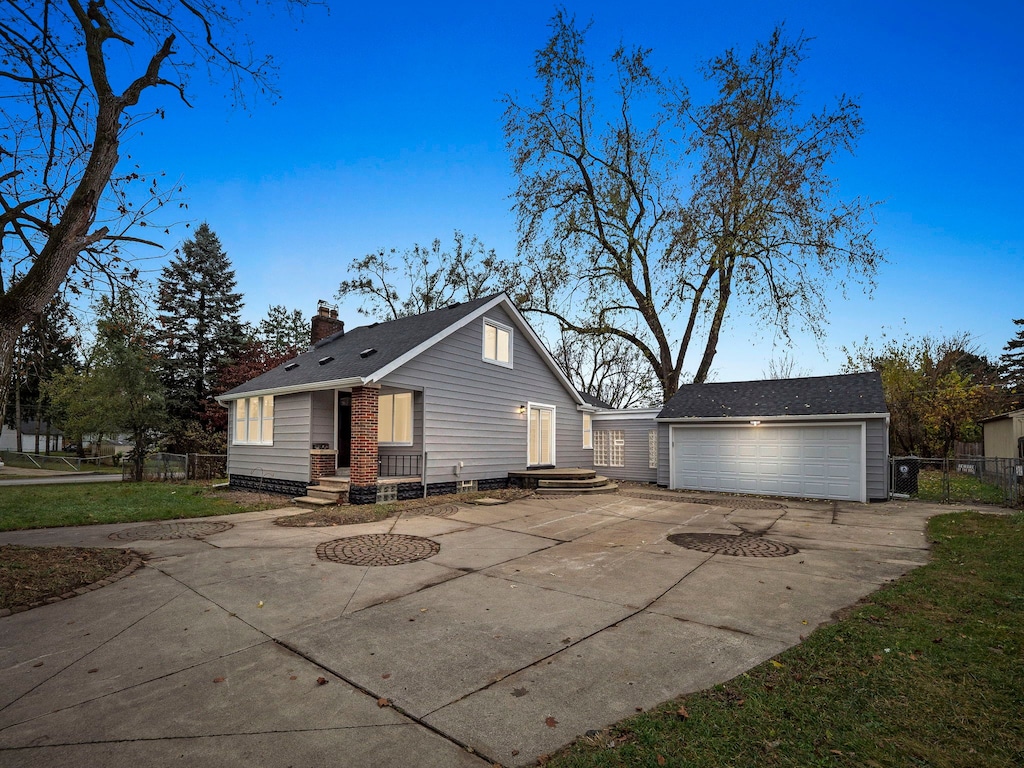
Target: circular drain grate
724 501
434 510
167 531
737 545
377 549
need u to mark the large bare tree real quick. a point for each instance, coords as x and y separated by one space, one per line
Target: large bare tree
74 74
652 219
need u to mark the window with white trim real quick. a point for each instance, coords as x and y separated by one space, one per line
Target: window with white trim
394 419
588 431
497 343
254 420
652 449
609 448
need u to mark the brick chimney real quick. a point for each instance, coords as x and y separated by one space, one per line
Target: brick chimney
325 322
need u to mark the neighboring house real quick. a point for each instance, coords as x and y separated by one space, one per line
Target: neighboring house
449 400
1004 435
823 437
33 437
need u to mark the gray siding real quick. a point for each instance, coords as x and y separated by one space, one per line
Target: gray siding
877 460
288 457
321 427
636 459
470 407
663 454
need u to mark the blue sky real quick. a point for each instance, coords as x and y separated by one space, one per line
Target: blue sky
388 132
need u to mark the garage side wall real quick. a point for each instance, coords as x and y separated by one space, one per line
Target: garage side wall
636 463
877 460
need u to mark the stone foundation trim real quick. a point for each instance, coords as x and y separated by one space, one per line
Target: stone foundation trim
267 485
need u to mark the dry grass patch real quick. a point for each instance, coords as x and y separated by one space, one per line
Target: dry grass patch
31 574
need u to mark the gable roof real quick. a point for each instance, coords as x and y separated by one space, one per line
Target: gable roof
1007 415
856 393
589 399
368 353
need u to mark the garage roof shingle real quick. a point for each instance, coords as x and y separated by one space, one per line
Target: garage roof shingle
813 396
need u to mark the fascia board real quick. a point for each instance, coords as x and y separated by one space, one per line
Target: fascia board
311 387
777 419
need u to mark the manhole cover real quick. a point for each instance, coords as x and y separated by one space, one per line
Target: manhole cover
720 502
433 510
377 549
166 531
737 545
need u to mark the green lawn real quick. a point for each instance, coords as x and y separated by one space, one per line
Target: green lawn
962 487
44 506
930 672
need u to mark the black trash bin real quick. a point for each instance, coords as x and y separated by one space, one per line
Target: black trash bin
904 475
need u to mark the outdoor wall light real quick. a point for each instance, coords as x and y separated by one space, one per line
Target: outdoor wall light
522 409
754 422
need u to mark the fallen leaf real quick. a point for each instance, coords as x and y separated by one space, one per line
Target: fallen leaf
518 692
639 709
777 664
38 665
321 681
661 760
550 722
683 713
515 752
383 702
543 759
259 604
835 751
218 679
293 677
91 671
385 676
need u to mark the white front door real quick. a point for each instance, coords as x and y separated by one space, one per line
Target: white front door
541 425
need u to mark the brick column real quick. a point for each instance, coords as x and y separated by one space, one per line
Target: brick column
363 467
322 464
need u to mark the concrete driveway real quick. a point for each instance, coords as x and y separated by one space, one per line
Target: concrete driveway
533 622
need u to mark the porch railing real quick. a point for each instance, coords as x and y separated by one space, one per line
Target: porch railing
400 465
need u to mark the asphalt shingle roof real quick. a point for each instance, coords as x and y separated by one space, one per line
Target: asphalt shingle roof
814 396
391 340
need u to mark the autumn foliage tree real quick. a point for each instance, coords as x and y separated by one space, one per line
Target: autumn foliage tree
935 389
651 218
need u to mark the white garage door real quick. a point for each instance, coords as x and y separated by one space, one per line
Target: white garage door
821 462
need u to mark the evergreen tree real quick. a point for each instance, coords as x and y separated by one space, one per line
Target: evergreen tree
44 347
283 332
199 326
1011 363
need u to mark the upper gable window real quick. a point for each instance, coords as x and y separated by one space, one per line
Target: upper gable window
497 343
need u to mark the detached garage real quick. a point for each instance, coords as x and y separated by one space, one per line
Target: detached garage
824 437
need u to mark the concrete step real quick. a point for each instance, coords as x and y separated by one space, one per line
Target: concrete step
335 484
312 501
593 482
569 473
608 487
318 492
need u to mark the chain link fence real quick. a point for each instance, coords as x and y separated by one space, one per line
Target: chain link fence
965 480
180 466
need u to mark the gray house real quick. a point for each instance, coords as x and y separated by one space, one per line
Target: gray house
446 401
823 437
